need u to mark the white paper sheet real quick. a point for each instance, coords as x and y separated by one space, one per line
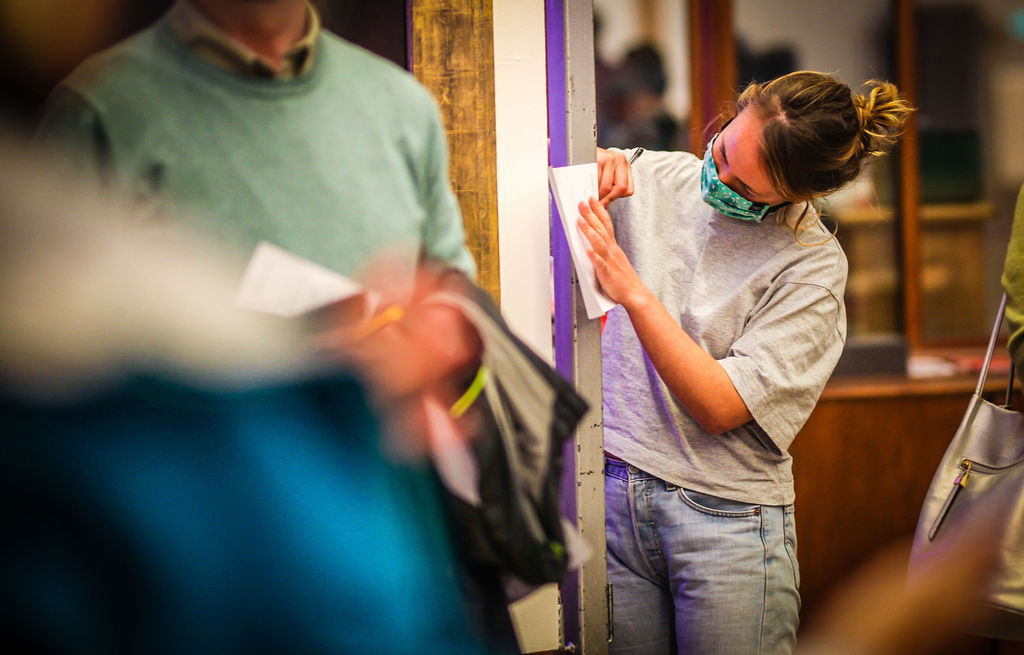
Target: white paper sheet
453 460
569 186
283 284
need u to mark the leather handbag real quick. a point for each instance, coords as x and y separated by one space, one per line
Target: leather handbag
981 479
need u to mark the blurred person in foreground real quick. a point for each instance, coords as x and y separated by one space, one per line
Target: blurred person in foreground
249 122
179 476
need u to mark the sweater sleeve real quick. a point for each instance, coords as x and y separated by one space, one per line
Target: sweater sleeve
443 236
1013 283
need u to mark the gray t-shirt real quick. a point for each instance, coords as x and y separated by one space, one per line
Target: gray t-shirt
766 306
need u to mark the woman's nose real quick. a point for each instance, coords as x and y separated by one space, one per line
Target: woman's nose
728 179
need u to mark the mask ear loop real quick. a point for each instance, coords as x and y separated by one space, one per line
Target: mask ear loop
758 206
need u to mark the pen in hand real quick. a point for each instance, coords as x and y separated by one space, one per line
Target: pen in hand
636 155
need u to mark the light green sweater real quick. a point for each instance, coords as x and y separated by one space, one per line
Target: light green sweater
335 165
1013 283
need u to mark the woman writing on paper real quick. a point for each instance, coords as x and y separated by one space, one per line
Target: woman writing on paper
731 321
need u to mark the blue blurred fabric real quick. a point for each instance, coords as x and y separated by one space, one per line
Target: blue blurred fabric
159 517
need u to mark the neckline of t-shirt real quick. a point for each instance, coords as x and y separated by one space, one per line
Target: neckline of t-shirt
268 87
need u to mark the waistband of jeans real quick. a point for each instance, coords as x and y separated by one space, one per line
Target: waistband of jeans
613 462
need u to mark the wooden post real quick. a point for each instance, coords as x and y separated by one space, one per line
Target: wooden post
909 184
452 54
712 66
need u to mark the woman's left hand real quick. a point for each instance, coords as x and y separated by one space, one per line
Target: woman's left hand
616 275
614 176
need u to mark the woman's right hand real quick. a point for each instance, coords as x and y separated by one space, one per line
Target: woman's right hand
614 176
617 277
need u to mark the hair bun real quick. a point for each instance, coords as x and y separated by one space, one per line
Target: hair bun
881 115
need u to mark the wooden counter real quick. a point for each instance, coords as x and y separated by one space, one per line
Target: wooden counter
862 465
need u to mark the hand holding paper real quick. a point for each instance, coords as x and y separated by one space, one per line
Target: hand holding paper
615 174
571 185
615 273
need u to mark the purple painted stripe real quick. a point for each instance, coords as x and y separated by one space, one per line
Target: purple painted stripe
558 156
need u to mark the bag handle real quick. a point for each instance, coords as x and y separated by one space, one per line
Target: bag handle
991 349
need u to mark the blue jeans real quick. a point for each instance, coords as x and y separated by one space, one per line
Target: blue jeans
697 574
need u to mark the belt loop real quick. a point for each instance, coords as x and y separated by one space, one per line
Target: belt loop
670 487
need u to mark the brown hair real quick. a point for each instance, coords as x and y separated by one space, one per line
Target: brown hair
817 135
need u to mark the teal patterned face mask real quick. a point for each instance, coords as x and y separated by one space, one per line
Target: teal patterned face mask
724 199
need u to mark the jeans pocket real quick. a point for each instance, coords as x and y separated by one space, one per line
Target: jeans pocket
715 506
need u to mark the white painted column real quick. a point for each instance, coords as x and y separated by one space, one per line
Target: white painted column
520 100
520 97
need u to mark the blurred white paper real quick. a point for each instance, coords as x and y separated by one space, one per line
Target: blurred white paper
454 462
283 284
569 186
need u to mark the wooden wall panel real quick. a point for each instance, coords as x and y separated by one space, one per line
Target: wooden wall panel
861 469
452 53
